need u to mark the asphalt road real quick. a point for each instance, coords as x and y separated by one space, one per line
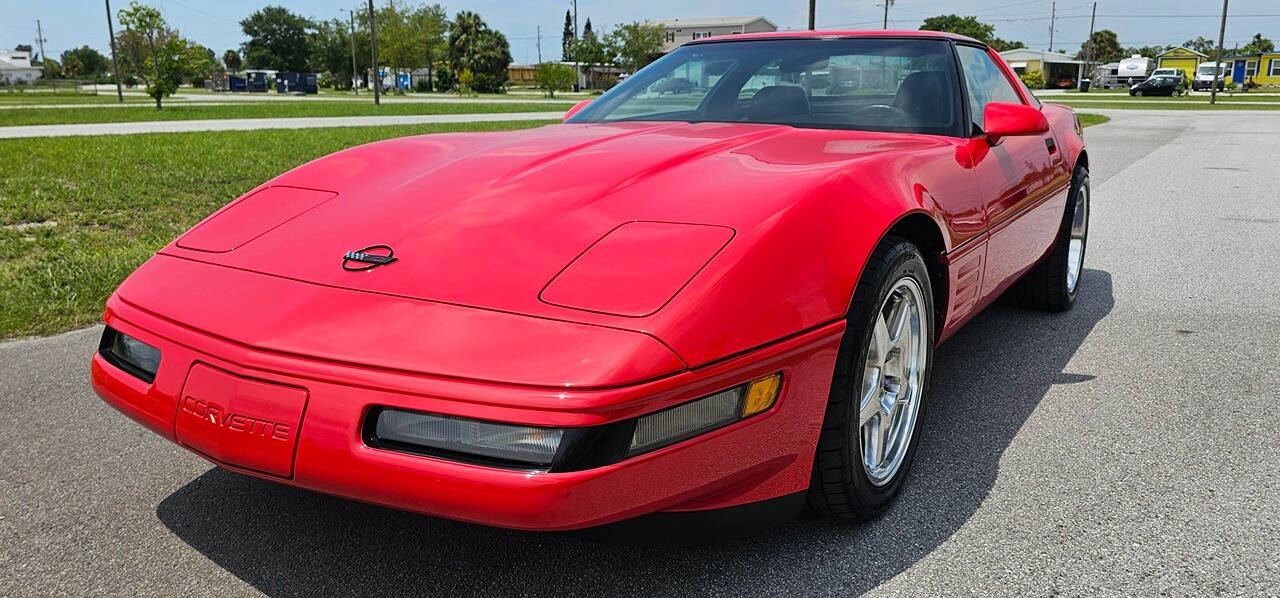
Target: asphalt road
1127 447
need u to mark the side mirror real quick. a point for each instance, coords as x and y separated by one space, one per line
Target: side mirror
1004 119
574 110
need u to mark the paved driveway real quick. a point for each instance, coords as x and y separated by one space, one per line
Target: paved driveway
1129 446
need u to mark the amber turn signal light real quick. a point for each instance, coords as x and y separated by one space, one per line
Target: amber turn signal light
761 394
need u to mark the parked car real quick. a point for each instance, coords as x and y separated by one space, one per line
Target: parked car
667 304
1205 77
1157 86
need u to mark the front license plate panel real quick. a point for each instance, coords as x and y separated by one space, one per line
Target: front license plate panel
240 422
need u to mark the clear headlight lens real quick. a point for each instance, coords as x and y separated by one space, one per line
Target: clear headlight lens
488 440
130 354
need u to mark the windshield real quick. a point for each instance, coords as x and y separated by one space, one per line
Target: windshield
1208 71
864 84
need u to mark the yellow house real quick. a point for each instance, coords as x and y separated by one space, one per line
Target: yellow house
1183 59
1262 68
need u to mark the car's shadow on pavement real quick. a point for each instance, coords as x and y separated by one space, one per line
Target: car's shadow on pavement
987 381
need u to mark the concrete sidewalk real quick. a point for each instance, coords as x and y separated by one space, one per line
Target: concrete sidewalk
248 124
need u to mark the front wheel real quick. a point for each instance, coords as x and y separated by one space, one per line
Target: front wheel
870 430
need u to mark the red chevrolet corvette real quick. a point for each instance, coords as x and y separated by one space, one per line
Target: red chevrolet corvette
718 285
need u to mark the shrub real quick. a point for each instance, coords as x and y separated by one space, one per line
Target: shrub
1033 79
551 77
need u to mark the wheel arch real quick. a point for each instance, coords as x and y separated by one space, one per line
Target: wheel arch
920 228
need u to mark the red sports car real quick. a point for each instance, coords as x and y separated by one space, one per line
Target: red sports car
727 295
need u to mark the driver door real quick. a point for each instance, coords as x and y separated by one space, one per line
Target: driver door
1023 179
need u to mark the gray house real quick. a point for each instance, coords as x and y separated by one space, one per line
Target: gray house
679 31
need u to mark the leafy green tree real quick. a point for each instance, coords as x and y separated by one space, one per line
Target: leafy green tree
201 64
330 47
1106 47
232 60
1203 45
1146 51
567 38
1001 45
552 77
590 52
156 54
84 62
634 45
479 50
413 35
277 40
971 27
1258 45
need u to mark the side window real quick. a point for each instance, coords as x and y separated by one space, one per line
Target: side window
985 81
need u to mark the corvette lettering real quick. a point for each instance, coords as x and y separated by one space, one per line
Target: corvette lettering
217 415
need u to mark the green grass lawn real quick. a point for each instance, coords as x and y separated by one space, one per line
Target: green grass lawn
1164 104
1088 120
278 109
78 214
9 98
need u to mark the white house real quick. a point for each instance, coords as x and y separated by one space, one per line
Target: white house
15 67
679 31
1060 70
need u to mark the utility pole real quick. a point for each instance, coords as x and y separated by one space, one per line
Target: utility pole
44 70
577 64
811 7
354 86
1053 15
887 4
115 66
373 49
1217 72
1088 54
539 44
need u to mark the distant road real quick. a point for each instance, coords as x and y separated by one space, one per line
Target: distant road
248 124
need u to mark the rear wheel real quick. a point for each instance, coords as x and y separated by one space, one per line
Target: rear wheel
877 395
1053 284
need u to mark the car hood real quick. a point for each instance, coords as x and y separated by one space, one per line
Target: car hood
490 220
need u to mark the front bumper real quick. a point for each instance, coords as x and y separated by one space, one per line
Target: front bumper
759 458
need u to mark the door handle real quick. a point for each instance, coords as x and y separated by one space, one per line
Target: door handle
1051 145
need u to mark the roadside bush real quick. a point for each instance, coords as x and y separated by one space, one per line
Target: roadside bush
422 85
1033 79
325 80
446 80
551 77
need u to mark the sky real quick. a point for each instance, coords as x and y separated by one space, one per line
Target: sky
71 23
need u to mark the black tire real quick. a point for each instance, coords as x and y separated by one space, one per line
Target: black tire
1046 286
840 485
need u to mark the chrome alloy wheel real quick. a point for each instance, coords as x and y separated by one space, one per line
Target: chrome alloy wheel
1079 233
892 380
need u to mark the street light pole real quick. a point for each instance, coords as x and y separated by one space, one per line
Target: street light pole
1217 71
44 62
811 9
373 49
352 14
115 66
